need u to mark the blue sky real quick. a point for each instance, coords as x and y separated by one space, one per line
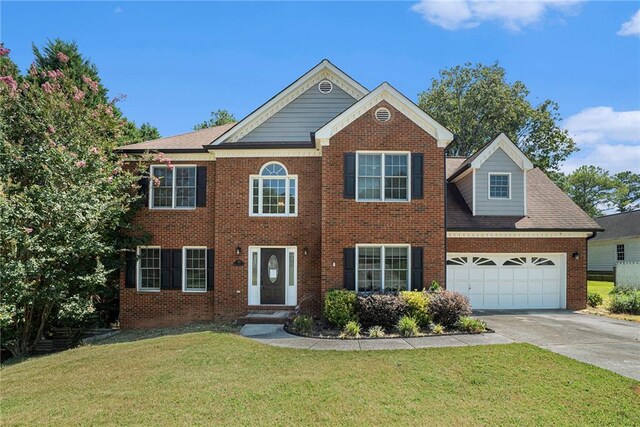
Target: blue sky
176 62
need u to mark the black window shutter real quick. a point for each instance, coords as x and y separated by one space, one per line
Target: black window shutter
201 186
349 175
176 268
144 187
165 269
350 269
130 270
416 269
209 269
417 175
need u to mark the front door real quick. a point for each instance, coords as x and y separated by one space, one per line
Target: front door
272 275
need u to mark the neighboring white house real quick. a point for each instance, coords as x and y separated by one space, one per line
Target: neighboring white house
620 241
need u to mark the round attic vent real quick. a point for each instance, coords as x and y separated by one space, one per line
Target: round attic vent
382 115
325 86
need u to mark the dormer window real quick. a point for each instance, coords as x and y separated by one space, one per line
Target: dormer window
499 185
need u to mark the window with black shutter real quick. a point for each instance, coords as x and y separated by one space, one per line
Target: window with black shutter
349 175
349 263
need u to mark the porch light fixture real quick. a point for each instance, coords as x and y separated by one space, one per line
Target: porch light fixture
305 251
238 250
576 255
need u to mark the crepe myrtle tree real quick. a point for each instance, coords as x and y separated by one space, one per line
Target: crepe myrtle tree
65 201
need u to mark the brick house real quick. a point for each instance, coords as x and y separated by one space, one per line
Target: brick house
330 185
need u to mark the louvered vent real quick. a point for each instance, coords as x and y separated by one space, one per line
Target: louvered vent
382 115
325 86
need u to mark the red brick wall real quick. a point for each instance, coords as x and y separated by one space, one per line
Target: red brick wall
172 229
576 269
346 222
234 227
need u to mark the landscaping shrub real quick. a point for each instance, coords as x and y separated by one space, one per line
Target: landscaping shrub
340 307
438 329
302 324
408 326
622 289
351 329
473 326
417 306
628 302
380 309
376 331
594 299
447 307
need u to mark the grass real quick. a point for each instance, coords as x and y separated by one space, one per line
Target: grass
603 288
212 377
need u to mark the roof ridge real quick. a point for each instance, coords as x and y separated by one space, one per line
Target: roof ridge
617 213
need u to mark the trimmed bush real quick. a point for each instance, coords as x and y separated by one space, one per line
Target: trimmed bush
622 289
473 326
376 331
417 306
448 307
340 307
594 299
380 309
438 329
302 324
408 326
628 302
351 329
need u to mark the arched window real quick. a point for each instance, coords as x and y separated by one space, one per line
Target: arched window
274 191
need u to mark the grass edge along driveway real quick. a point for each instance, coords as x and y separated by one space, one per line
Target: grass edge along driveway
212 377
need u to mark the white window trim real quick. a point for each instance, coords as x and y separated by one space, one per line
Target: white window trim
287 187
382 176
489 185
139 268
291 291
184 270
173 191
382 259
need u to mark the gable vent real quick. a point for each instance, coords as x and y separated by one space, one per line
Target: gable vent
382 115
325 86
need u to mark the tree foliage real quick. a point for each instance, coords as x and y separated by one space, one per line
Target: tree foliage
65 198
626 196
591 188
218 118
476 103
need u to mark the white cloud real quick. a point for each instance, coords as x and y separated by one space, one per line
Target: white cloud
118 10
512 14
631 27
599 124
612 157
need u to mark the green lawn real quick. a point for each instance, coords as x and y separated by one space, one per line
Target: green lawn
603 288
221 378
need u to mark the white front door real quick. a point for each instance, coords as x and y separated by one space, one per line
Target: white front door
509 281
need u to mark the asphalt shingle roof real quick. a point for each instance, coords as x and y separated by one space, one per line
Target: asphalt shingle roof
619 225
187 141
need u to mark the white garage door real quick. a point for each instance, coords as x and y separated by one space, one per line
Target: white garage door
509 281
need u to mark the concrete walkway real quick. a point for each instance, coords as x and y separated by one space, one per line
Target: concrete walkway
608 343
277 336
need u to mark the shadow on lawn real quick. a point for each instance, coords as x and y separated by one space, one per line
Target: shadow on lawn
131 335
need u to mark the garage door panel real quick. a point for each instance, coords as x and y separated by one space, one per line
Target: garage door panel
527 281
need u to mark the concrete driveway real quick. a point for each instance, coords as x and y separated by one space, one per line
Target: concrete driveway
608 343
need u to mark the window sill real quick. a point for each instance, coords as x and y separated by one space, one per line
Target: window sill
273 215
382 201
194 291
173 209
148 291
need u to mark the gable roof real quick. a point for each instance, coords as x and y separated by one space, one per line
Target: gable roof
548 208
385 92
501 141
620 225
183 143
325 70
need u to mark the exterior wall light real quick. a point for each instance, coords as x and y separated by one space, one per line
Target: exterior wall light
238 250
576 255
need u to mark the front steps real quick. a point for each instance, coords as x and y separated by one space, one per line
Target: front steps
270 317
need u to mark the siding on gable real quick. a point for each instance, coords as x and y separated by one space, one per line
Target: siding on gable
465 186
305 114
603 256
499 162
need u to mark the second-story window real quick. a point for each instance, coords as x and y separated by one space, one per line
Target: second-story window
499 186
274 192
383 176
173 188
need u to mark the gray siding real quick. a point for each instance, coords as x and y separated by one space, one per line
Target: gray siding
499 162
465 186
305 114
603 255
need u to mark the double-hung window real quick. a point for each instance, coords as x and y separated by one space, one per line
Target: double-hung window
148 268
273 192
499 185
194 261
620 252
382 268
173 188
382 176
